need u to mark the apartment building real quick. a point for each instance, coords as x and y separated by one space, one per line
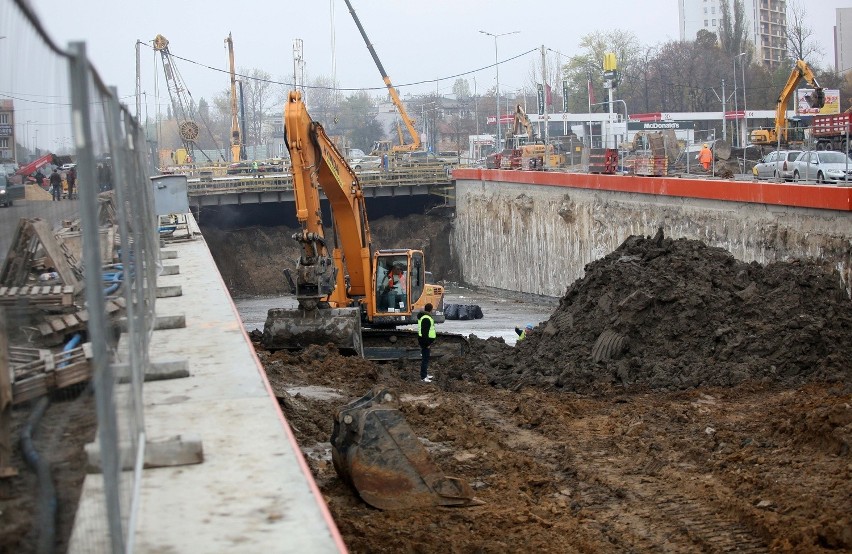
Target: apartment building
766 23
843 40
7 131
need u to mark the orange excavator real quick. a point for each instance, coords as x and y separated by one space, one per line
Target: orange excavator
340 285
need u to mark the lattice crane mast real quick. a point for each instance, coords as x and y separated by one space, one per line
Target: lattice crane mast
182 106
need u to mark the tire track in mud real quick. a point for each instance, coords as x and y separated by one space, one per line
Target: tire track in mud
634 500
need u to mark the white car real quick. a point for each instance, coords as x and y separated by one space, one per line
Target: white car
366 162
66 167
778 164
824 166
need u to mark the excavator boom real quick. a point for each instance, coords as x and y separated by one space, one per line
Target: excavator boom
801 71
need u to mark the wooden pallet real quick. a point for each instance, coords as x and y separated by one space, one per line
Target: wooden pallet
46 295
651 166
58 326
38 372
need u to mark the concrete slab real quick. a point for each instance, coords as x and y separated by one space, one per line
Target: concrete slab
253 492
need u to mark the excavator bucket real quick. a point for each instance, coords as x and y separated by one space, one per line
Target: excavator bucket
376 453
288 329
817 99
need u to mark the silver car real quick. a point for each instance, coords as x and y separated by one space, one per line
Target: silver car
823 167
776 165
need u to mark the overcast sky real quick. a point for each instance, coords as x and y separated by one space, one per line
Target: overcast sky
416 41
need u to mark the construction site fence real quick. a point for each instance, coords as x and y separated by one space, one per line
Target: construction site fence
60 105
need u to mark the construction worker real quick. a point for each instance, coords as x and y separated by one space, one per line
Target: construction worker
522 333
705 157
426 335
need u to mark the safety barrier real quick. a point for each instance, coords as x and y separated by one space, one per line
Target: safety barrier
83 266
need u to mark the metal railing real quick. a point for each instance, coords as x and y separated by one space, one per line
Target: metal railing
103 241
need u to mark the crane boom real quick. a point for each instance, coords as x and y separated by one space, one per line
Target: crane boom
183 110
236 136
409 122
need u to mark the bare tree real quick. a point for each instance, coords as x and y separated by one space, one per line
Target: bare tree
323 101
257 91
801 43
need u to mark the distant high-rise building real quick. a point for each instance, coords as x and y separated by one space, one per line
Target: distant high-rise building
766 24
843 40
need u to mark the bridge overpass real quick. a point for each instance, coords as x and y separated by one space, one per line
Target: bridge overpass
206 189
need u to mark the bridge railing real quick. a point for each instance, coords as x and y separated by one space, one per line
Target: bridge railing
271 182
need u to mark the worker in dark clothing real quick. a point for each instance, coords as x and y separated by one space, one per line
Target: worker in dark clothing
426 335
72 180
56 185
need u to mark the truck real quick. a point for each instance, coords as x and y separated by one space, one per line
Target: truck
832 132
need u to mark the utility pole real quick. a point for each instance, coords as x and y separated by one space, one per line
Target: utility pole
544 85
138 82
724 124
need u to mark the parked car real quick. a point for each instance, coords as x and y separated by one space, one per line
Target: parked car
423 158
366 162
778 164
823 167
66 167
9 192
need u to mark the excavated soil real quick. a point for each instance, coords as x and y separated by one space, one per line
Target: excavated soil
677 400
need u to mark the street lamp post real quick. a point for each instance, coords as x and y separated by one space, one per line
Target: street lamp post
497 66
736 108
745 109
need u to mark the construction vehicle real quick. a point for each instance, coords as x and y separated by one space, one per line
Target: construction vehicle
833 132
385 147
348 295
523 150
772 137
182 106
338 289
237 152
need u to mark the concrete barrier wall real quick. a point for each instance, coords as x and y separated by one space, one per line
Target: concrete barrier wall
538 238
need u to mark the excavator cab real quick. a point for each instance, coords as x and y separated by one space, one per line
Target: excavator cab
399 282
376 453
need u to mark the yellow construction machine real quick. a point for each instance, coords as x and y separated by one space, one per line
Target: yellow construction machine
771 137
340 285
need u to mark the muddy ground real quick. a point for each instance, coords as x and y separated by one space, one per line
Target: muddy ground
677 400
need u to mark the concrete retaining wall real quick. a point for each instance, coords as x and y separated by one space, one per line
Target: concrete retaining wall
538 238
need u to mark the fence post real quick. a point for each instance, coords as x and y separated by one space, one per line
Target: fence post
6 469
102 370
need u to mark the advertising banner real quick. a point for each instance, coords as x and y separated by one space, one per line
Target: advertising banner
832 102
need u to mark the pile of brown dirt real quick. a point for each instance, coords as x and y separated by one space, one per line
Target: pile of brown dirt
252 260
677 314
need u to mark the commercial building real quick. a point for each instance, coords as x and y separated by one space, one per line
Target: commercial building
766 24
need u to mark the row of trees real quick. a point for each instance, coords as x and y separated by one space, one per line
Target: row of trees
674 76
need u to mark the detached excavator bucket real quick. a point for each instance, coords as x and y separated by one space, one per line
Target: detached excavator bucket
375 452
295 329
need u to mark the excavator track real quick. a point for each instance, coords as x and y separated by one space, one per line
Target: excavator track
401 344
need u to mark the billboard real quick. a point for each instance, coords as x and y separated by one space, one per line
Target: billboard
832 102
659 125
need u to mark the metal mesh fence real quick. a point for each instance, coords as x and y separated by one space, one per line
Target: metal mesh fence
77 296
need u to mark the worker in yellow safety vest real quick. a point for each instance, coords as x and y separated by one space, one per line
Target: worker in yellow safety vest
522 333
426 335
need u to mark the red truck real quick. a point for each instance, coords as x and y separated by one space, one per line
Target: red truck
832 132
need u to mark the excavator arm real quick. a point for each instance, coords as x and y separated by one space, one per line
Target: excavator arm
318 165
409 122
801 71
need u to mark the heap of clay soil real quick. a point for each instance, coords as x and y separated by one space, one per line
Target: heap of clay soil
676 314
